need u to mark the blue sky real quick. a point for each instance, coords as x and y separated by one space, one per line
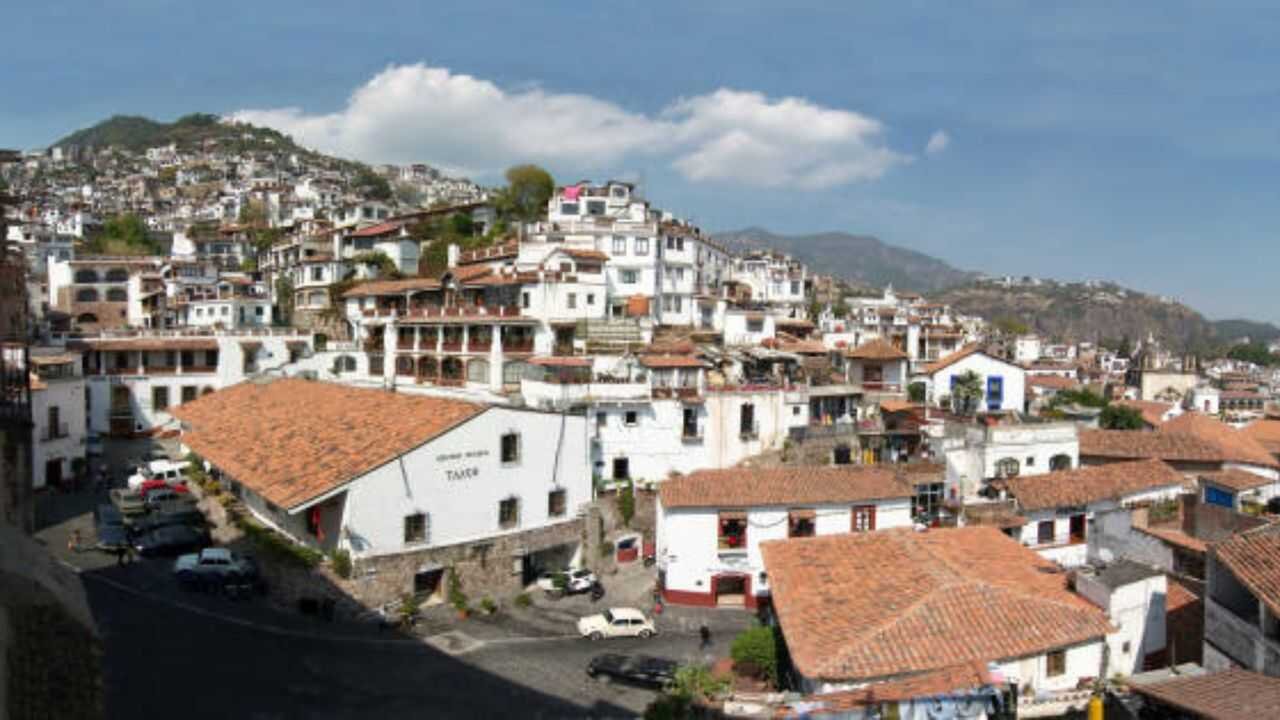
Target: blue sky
1131 142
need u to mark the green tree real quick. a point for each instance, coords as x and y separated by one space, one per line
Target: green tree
249 265
755 652
124 235
253 213
692 682
966 393
627 503
1120 417
1125 348
372 185
1082 397
915 392
284 299
1256 353
529 187
1011 326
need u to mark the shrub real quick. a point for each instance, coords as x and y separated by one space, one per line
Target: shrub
273 544
342 563
489 606
408 607
755 652
692 682
627 503
606 548
457 598
523 600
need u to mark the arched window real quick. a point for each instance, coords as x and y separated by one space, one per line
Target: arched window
478 371
404 365
344 364
1007 467
206 390
86 318
512 372
117 295
451 368
1058 462
427 367
86 276
86 295
117 275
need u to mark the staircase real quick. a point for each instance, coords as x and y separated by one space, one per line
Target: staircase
613 335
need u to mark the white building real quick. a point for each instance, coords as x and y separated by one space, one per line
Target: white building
407 484
58 412
1133 597
1059 507
1003 382
978 453
1026 349
710 524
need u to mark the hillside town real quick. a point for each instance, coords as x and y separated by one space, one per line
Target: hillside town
382 396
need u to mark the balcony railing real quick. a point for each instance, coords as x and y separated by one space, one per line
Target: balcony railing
451 346
517 346
56 432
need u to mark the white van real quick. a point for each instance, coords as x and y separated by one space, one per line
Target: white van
173 473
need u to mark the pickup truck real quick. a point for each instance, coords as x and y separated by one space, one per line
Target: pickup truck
166 470
214 567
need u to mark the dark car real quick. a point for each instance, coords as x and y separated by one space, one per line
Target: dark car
171 540
180 514
110 528
641 670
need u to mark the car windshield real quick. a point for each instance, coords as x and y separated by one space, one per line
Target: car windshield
608 616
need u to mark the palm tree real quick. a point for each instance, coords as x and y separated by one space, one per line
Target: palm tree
966 393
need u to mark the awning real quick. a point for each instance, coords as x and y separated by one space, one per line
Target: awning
733 514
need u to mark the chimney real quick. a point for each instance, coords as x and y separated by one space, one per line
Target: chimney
453 255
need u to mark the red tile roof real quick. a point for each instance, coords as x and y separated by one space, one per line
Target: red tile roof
1254 558
1175 537
670 361
743 487
1232 694
1266 433
1236 479
1152 412
578 254
1236 445
1134 444
892 602
1053 382
561 361
1112 481
392 287
877 349
962 353
291 441
385 228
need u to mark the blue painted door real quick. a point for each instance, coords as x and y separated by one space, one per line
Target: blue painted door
1218 496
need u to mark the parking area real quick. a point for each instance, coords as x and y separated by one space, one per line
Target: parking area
531 652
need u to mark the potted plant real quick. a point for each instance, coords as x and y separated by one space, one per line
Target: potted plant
488 606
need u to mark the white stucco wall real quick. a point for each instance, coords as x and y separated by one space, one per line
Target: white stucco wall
68 395
985 366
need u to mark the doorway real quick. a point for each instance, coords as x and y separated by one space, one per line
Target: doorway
428 585
730 590
53 473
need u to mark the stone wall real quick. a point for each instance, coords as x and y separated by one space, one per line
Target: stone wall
316 321
644 521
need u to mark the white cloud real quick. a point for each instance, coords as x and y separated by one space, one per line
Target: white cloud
937 143
415 112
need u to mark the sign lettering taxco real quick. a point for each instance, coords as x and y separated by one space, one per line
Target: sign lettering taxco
465 473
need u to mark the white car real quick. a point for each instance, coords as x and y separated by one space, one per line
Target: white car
575 581
616 622
171 472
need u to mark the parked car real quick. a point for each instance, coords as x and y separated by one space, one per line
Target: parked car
128 502
166 470
616 622
641 670
171 540
214 566
171 513
161 496
568 581
109 526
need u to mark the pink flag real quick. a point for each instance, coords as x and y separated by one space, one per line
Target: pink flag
571 193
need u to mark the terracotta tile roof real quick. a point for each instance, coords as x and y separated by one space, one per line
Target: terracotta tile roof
758 487
811 347
293 440
1178 595
1112 481
391 287
1266 433
1236 479
578 254
1254 558
561 361
956 678
892 602
962 353
470 273
894 406
670 361
877 349
1236 446
1152 411
384 228
1176 537
1053 382
1158 444
1232 694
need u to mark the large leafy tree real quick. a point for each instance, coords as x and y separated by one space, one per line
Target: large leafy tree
966 392
124 235
1120 417
529 187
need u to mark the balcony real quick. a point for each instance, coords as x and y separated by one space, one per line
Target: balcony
518 346
682 393
56 432
451 346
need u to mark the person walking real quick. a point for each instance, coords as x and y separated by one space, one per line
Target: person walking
704 633
73 542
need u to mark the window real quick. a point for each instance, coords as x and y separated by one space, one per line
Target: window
117 295
1055 663
1031 461
415 528
732 533
54 418
225 310
511 448
211 358
630 418
801 523
690 425
595 207
747 421
795 287
509 513
86 295
1060 462
258 311
927 501
524 300
1007 467
621 469
627 277
568 208
642 246
188 393
1044 532
863 518
159 398
995 392
573 300
591 298
619 246
555 503
755 325
601 419
317 274
1077 526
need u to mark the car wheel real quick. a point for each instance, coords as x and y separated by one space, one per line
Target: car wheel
596 635
646 633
